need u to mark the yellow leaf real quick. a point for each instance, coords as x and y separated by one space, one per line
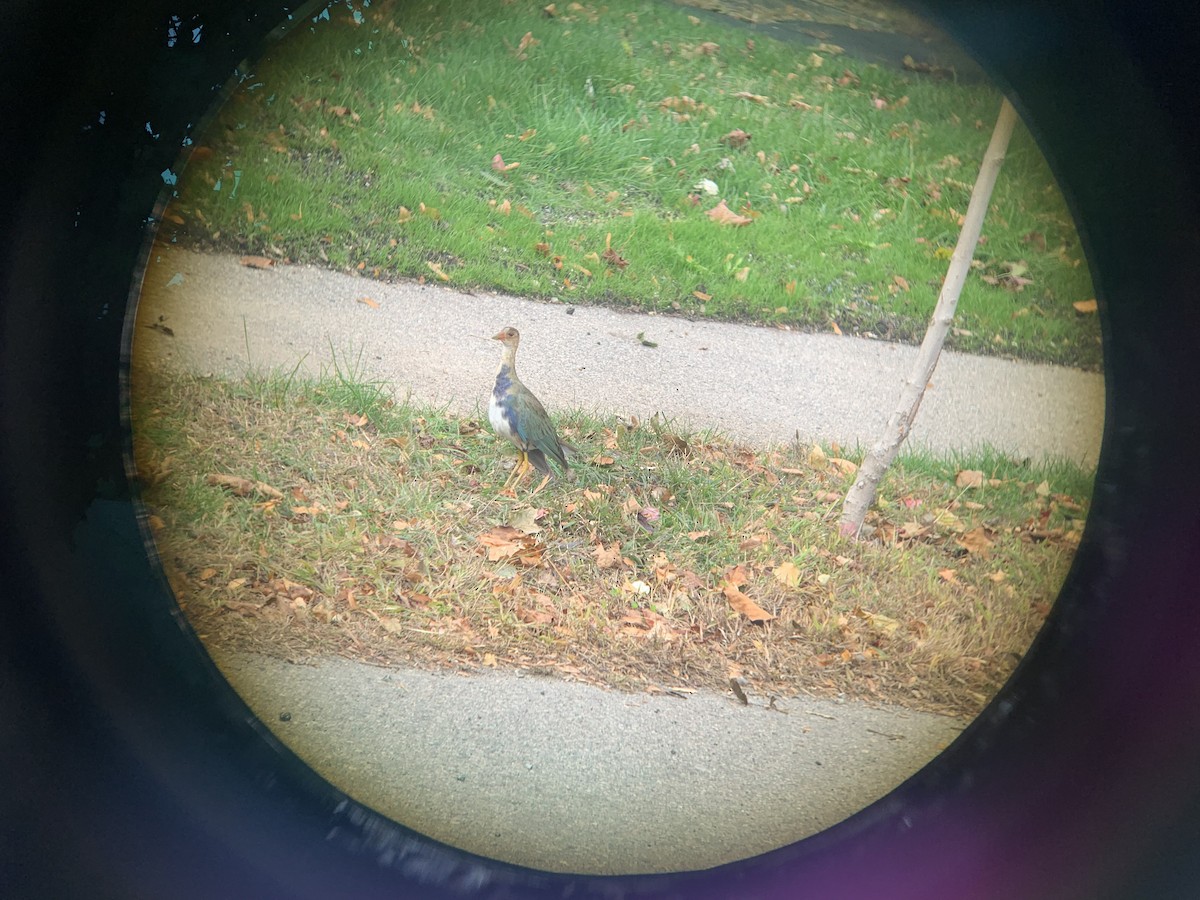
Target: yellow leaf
787 574
436 268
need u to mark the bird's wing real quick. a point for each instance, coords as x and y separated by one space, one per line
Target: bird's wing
535 427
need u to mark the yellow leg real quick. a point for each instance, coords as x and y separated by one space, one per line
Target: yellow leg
519 469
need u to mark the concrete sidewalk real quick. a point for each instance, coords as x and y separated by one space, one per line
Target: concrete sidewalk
760 385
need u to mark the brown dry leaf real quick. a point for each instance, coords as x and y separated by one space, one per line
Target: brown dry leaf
207 573
969 478
736 138
527 41
436 269
900 282
504 542
243 486
608 557
746 95
1085 306
976 541
257 262
737 575
374 304
534 616
844 465
698 535
599 460
743 604
723 215
950 576
700 295
613 258
787 574
911 531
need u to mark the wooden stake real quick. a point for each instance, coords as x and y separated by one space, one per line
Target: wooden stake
862 493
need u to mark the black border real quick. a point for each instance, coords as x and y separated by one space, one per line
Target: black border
131 770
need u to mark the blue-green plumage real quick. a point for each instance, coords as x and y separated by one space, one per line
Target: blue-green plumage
516 414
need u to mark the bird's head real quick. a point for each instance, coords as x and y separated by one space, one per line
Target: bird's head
509 337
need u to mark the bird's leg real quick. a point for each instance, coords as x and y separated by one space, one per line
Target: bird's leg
518 470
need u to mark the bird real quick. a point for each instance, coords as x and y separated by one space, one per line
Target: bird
516 414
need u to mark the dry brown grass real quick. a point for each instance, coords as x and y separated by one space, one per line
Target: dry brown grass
377 531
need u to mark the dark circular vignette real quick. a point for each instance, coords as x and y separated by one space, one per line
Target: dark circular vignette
131 769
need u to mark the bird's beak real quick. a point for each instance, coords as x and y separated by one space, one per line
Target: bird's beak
498 336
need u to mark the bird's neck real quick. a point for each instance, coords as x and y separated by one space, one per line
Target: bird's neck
508 360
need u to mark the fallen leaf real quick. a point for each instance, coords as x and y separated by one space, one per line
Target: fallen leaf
723 215
969 478
787 574
1085 306
503 542
526 519
534 616
845 466
736 138
746 95
743 604
243 486
976 541
436 269
257 262
501 166
374 304
613 258
698 535
737 575
910 531
886 624
527 41
608 557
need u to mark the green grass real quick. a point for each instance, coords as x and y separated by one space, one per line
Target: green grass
369 147
363 527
